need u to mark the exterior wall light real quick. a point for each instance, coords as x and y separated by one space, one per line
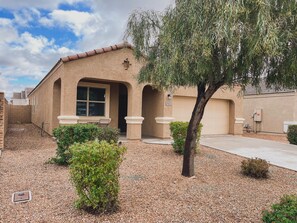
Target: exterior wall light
169 96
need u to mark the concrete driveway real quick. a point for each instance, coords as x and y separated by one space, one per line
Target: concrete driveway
279 154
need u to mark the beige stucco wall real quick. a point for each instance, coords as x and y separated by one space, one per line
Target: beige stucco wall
108 69
104 67
42 100
276 109
152 107
114 104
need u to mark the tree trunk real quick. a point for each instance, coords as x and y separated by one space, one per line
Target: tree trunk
197 114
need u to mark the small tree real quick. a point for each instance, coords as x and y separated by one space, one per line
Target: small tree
207 44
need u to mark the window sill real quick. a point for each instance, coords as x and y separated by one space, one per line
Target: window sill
86 119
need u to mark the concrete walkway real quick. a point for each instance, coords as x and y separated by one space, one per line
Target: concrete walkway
279 154
157 141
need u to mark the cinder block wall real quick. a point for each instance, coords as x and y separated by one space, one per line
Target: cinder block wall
3 119
19 114
6 111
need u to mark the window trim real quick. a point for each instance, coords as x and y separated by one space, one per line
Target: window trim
107 99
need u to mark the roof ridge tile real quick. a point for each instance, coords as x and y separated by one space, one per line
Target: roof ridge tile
96 51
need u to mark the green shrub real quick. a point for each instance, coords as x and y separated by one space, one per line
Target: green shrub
179 133
255 167
285 211
108 134
79 133
292 134
94 170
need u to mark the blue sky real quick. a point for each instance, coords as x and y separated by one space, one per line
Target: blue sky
34 34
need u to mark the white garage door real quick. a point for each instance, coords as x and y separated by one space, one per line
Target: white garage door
216 114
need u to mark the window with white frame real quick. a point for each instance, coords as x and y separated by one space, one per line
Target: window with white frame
90 101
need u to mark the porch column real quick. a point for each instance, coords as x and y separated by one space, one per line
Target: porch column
165 116
68 101
134 118
236 121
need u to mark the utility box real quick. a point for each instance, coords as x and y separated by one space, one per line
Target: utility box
257 116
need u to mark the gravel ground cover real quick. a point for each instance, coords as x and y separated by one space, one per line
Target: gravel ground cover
275 137
152 189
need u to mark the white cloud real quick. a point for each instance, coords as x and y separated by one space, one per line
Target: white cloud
5 22
46 22
114 16
8 86
27 55
4 84
41 4
34 45
80 23
126 7
7 32
24 16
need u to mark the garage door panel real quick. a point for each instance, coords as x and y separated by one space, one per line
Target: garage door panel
216 114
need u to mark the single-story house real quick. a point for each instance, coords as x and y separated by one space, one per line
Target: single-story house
101 85
270 111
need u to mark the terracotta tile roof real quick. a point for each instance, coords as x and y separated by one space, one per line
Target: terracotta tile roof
96 51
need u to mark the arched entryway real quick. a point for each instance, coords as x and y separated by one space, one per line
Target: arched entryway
56 103
151 108
123 108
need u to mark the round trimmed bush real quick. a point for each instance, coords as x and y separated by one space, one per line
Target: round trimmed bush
255 167
179 133
79 133
94 170
292 134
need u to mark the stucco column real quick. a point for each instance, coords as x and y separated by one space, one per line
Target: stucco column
134 118
68 101
236 119
165 116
